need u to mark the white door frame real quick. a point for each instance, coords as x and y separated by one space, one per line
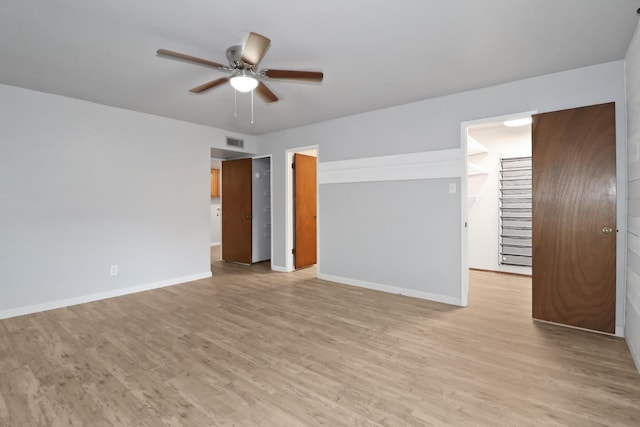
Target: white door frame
464 244
288 229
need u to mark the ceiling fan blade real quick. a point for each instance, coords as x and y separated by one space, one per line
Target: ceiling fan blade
265 93
209 85
190 58
255 48
313 76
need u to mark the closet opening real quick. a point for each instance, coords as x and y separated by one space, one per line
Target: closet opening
497 201
216 157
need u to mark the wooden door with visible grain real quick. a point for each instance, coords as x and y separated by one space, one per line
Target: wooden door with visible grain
215 182
236 210
574 217
304 193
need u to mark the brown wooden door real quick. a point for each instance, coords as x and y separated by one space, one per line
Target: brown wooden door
215 182
574 201
236 210
304 193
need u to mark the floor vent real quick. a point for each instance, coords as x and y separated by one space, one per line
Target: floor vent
235 142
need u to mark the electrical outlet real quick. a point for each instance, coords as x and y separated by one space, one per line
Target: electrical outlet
114 270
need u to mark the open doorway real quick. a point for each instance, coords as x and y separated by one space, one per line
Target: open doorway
497 196
565 213
216 210
246 210
301 207
217 157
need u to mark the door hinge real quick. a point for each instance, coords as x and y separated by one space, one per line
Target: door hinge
293 251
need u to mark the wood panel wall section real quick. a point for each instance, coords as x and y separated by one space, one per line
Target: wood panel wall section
632 308
215 182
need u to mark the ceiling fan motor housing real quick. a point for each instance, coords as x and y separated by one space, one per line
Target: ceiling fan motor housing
234 56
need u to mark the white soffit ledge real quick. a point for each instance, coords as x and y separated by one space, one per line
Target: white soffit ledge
398 167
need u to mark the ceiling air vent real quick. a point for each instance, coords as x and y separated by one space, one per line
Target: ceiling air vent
235 142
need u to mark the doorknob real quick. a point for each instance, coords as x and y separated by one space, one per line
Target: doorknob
607 230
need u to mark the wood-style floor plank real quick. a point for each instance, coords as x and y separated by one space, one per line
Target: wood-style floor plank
250 347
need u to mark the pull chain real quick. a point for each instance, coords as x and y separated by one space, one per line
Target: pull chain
235 103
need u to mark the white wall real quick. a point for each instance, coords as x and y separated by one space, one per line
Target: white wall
408 228
216 210
632 326
422 126
484 207
84 186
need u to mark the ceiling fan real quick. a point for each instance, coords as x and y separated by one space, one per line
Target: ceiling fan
243 68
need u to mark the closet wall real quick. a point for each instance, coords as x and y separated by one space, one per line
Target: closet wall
261 209
484 193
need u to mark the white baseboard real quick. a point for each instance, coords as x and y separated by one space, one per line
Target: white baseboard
620 331
279 268
216 243
392 289
52 305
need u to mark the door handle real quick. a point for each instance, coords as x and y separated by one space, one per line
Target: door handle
607 230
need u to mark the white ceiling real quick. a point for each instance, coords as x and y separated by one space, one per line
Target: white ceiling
374 53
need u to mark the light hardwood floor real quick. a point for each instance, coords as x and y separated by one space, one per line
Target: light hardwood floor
250 347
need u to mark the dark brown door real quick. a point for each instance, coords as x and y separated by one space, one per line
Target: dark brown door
304 193
236 210
574 217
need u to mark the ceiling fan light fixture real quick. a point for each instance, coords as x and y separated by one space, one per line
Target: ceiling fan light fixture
243 83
